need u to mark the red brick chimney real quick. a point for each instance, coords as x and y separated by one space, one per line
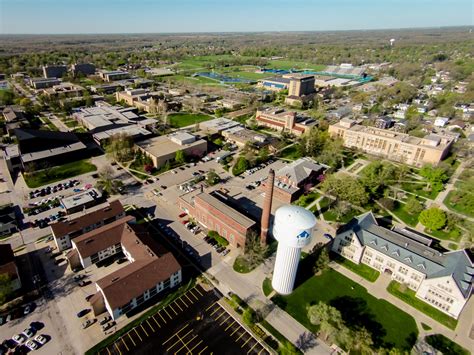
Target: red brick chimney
267 207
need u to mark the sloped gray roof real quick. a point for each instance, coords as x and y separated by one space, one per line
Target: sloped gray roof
300 169
414 254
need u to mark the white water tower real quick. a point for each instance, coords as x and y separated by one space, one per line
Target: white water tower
292 228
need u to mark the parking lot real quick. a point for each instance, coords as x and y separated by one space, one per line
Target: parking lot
194 323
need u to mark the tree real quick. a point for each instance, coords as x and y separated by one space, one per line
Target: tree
413 206
212 177
240 166
332 153
345 187
433 218
120 147
5 288
377 176
362 341
387 203
328 317
107 183
6 97
180 157
255 252
435 176
322 262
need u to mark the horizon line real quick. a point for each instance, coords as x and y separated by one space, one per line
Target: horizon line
237 32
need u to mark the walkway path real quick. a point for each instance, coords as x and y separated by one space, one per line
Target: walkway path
379 289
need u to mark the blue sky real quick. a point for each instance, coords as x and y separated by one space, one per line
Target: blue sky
138 16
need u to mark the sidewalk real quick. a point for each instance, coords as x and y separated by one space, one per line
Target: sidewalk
379 289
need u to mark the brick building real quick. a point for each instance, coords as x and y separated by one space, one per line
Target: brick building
213 214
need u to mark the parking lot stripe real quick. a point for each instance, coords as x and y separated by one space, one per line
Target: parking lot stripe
193 294
230 325
217 308
202 350
185 304
208 308
244 332
133 341
164 309
147 322
250 337
194 347
118 349
170 306
175 334
261 351
180 339
141 325
158 324
108 351
197 290
254 345
139 337
185 345
124 343
220 315
238 327
177 304
224 320
161 317
189 299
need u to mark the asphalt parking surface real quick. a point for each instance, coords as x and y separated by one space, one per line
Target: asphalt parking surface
195 323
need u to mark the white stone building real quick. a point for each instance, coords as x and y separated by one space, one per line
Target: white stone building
444 280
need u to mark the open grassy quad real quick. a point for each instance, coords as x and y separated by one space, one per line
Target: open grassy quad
178 120
290 64
362 270
400 212
57 173
409 297
195 80
390 327
291 153
307 199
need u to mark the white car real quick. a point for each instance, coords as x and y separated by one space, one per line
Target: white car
30 344
28 332
19 339
41 339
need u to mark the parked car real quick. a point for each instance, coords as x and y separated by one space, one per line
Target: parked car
88 298
19 338
225 252
79 277
87 323
28 332
84 283
184 214
83 312
105 319
328 236
27 310
107 326
41 339
31 344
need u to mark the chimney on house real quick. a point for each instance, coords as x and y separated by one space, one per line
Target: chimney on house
267 207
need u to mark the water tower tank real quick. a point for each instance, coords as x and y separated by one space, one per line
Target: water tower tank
293 229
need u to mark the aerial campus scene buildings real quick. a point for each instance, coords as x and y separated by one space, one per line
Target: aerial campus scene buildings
236 177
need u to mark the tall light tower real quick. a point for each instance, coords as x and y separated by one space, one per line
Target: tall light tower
293 228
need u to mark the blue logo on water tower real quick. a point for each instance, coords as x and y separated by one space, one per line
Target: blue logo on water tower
303 235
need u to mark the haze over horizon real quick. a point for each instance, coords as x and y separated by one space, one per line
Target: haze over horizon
188 16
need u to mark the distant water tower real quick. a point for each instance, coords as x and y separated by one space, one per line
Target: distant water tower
293 229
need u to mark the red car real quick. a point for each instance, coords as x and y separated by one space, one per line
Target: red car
185 221
182 215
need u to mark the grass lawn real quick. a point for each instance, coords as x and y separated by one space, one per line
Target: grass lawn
178 120
409 297
291 64
360 269
57 173
307 199
389 326
241 266
461 201
267 286
291 153
399 211
454 235
445 345
419 190
330 215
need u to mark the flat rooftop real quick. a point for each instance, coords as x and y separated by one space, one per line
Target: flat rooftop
80 199
163 145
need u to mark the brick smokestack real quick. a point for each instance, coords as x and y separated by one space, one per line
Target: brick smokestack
267 207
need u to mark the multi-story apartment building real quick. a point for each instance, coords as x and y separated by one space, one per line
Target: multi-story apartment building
63 232
391 144
444 280
54 71
109 76
213 214
301 89
282 120
150 270
83 68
